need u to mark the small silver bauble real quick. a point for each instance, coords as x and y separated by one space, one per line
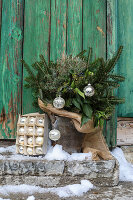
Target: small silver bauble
39 140
39 150
21 149
30 130
22 120
21 130
32 120
30 150
40 121
30 140
59 102
89 90
54 135
21 140
40 131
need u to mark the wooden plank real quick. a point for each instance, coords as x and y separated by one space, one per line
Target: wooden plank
125 32
10 66
58 29
111 48
94 26
36 40
125 132
0 18
74 27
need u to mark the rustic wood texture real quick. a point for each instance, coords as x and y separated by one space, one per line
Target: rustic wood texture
36 40
74 26
111 125
94 27
10 66
125 32
125 131
58 29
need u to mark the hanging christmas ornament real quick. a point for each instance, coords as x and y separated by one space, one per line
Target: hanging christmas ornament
21 140
39 140
39 150
59 102
40 131
30 150
30 140
54 135
89 90
22 120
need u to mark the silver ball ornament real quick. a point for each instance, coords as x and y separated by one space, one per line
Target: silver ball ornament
30 150
40 131
40 121
89 90
30 140
21 130
54 135
32 120
30 130
38 150
59 102
21 149
39 140
21 140
22 120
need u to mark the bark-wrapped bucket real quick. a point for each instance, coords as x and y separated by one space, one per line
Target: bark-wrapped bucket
93 141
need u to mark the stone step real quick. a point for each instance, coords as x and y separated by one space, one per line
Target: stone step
15 169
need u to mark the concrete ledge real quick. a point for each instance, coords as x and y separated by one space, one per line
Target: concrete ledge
58 173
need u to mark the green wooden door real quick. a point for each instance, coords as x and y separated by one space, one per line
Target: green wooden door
52 28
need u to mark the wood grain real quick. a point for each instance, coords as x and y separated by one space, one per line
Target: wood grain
10 66
36 40
58 29
125 67
74 27
94 27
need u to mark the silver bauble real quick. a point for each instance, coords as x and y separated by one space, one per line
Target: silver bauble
32 120
54 135
21 149
40 121
40 131
21 130
30 140
30 150
39 150
89 90
39 140
21 140
30 130
59 102
23 120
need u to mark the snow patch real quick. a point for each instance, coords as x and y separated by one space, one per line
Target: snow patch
57 153
54 153
31 198
126 168
66 191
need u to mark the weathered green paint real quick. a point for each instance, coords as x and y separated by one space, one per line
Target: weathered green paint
58 29
94 26
111 48
125 66
51 28
36 40
10 66
74 27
